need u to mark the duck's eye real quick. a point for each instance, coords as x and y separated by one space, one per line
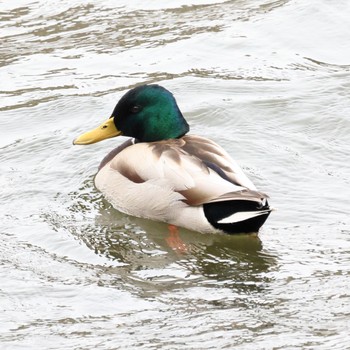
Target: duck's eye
135 109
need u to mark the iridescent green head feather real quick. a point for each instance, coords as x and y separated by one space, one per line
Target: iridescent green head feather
149 113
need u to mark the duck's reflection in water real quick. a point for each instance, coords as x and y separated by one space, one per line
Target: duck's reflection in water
151 262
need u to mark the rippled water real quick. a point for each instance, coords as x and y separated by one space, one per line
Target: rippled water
269 81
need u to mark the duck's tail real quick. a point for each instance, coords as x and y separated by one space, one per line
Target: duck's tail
238 212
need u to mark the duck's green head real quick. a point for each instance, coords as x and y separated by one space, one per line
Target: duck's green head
148 113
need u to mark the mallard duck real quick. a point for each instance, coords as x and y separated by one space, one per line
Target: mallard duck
164 174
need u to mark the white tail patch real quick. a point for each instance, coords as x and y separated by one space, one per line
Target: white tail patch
243 215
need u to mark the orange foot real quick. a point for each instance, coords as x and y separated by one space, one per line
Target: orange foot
174 241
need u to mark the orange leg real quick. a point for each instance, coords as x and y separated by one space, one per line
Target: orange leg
174 241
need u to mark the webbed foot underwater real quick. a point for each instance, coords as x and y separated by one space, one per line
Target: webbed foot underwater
165 174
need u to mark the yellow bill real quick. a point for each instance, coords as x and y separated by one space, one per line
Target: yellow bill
105 131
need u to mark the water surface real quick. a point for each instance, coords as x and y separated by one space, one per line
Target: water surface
269 81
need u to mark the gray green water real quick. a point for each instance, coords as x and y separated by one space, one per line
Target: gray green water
269 81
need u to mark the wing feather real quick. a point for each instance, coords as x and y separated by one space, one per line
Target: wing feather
211 153
186 166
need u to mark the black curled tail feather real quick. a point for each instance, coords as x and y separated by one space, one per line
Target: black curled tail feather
237 216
